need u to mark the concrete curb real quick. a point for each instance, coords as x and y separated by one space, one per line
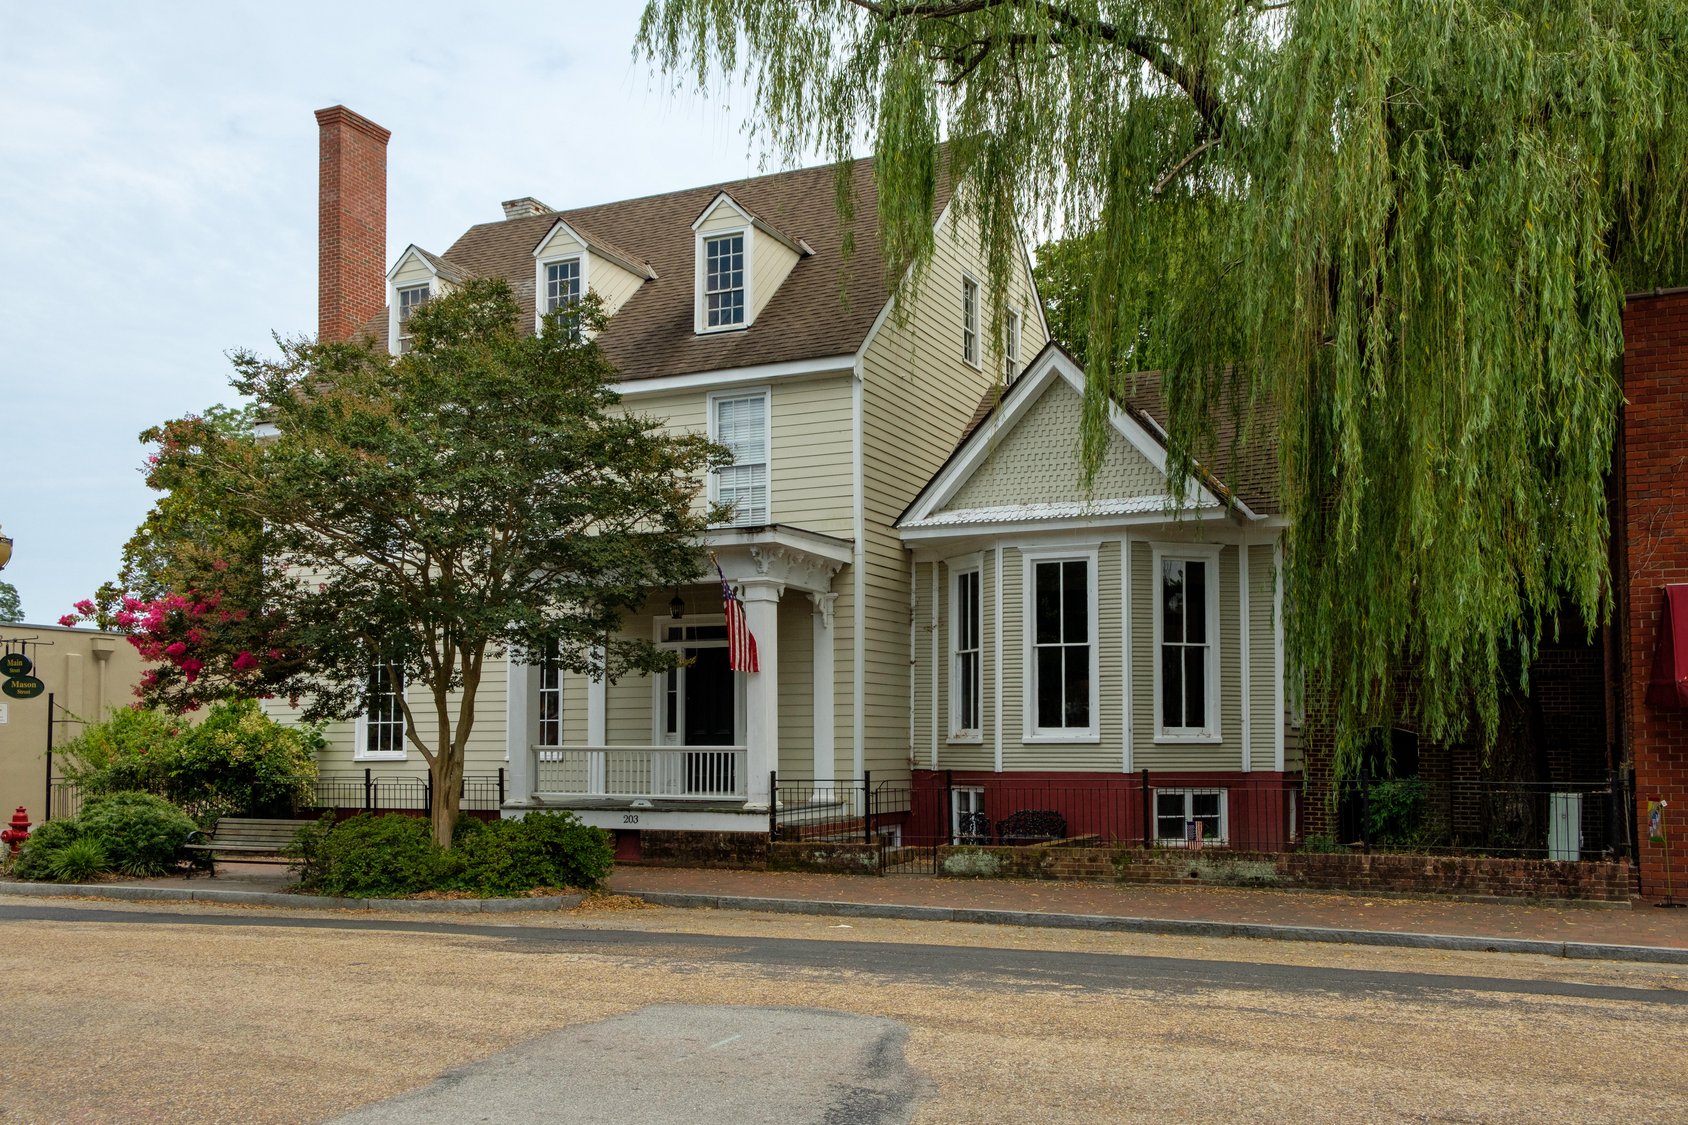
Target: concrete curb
317 902
1179 927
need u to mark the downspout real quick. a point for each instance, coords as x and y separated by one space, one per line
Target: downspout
858 609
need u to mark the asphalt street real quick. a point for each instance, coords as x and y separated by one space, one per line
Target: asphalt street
975 967
137 1013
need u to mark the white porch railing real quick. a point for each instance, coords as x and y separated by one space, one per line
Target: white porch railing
657 773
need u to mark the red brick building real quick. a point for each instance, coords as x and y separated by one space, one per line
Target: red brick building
1650 548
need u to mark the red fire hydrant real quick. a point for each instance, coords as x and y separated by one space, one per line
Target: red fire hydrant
19 830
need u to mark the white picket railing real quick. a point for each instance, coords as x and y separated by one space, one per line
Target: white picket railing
656 773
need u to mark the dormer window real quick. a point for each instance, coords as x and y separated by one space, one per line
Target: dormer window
411 298
723 281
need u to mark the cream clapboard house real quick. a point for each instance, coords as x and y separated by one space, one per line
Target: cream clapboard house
732 312
1069 639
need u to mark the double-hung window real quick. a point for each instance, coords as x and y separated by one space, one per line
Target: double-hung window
970 321
740 422
1062 612
411 298
550 697
965 676
1186 635
1011 348
381 729
723 281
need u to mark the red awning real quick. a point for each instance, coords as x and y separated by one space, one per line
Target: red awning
1668 686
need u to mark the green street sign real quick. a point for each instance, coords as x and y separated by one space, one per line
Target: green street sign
23 687
16 664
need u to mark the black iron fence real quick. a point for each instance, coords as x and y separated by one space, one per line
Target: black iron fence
365 791
1547 820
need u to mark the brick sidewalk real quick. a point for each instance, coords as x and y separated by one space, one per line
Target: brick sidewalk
1640 925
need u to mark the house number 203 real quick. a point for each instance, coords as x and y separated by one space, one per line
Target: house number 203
630 818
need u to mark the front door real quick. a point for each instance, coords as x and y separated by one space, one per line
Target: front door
710 698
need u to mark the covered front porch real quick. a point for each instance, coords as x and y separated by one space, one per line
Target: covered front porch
693 748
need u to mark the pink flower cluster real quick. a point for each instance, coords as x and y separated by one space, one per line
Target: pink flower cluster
177 629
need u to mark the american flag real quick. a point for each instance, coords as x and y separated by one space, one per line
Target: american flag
741 645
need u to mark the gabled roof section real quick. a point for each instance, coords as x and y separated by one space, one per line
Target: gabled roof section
601 247
962 493
443 268
795 245
825 306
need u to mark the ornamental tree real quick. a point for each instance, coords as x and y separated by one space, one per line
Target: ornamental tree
1392 237
418 516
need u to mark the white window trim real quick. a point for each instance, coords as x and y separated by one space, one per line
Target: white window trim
542 266
1213 733
1187 792
978 791
959 735
977 359
539 692
700 303
360 738
767 394
1013 320
1089 554
394 325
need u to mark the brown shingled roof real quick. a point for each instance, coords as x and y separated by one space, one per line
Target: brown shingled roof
825 307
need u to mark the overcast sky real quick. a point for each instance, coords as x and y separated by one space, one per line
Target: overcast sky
158 180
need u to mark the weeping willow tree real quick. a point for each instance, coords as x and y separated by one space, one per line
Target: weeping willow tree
1391 238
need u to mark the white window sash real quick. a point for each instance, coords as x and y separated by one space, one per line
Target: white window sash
747 431
970 320
961 730
1033 733
1211 731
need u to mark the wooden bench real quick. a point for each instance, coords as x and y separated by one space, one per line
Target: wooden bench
247 839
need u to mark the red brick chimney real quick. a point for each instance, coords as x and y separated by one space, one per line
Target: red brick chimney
351 222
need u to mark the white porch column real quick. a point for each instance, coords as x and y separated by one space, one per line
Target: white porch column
517 714
595 705
761 598
826 765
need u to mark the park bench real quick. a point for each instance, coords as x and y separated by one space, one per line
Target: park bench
248 839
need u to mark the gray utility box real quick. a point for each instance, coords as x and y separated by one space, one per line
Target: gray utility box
1564 826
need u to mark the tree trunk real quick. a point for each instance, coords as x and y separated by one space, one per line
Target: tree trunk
446 772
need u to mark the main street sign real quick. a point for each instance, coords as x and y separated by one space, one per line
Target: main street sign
16 664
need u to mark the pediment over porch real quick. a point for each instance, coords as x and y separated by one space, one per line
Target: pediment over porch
790 556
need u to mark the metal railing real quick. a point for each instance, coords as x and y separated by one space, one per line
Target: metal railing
661 773
367 791
1562 820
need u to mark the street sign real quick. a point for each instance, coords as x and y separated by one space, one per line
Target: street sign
16 664
23 687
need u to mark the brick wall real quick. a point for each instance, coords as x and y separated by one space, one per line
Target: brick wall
1653 516
1376 874
843 859
351 222
659 848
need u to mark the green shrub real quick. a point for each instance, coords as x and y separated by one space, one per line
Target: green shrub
35 860
140 834
1398 816
236 761
391 856
580 855
78 861
374 857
